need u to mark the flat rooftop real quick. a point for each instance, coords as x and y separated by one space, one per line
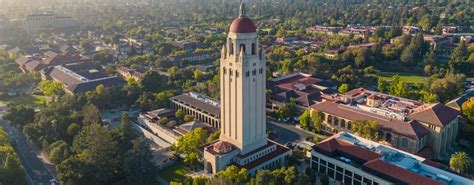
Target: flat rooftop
200 102
386 162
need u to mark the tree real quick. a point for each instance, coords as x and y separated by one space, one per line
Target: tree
91 114
179 114
97 149
428 97
19 115
286 110
74 171
12 172
235 175
459 162
458 56
305 120
382 85
317 120
468 109
138 163
188 118
367 129
59 151
51 88
214 136
324 179
407 55
343 88
197 74
264 177
100 90
152 81
187 144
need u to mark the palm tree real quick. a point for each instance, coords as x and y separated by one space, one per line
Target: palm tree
459 162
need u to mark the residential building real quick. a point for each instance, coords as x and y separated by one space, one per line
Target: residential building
411 30
356 32
188 46
243 141
428 130
348 159
303 88
47 21
135 74
203 108
79 78
330 30
37 62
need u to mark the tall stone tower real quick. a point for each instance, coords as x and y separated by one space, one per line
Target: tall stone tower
242 78
243 141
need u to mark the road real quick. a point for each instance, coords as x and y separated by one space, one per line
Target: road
37 172
288 132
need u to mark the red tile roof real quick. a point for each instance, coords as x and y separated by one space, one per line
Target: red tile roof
436 114
280 150
411 129
399 173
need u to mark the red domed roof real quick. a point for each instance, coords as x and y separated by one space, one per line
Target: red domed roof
243 25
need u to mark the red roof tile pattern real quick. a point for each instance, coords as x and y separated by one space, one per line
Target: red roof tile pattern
436 114
280 150
399 173
410 129
243 25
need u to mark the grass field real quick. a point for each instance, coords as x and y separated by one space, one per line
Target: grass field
406 77
29 100
173 173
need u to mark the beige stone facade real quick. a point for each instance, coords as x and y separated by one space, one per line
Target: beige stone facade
243 141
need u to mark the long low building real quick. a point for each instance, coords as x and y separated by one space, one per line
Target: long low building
428 130
203 108
78 78
349 159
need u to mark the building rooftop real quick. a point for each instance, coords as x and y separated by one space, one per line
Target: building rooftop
386 162
200 102
305 89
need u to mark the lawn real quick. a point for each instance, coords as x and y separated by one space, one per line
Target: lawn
173 173
29 100
406 77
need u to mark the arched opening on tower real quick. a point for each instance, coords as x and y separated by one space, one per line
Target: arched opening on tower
254 49
231 46
242 47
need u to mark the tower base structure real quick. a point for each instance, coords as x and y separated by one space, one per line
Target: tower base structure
221 154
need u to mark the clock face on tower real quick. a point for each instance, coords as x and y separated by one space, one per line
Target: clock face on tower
243 86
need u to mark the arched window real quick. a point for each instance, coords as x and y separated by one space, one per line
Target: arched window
254 49
343 123
388 137
336 121
231 46
242 47
329 119
349 125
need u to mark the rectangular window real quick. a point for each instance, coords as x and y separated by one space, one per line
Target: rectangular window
322 169
323 162
367 181
357 176
339 169
260 70
254 72
339 176
247 74
357 182
330 165
236 73
375 183
314 158
314 165
330 172
347 180
348 173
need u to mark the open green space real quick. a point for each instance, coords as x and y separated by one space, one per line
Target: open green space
174 173
29 100
406 77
